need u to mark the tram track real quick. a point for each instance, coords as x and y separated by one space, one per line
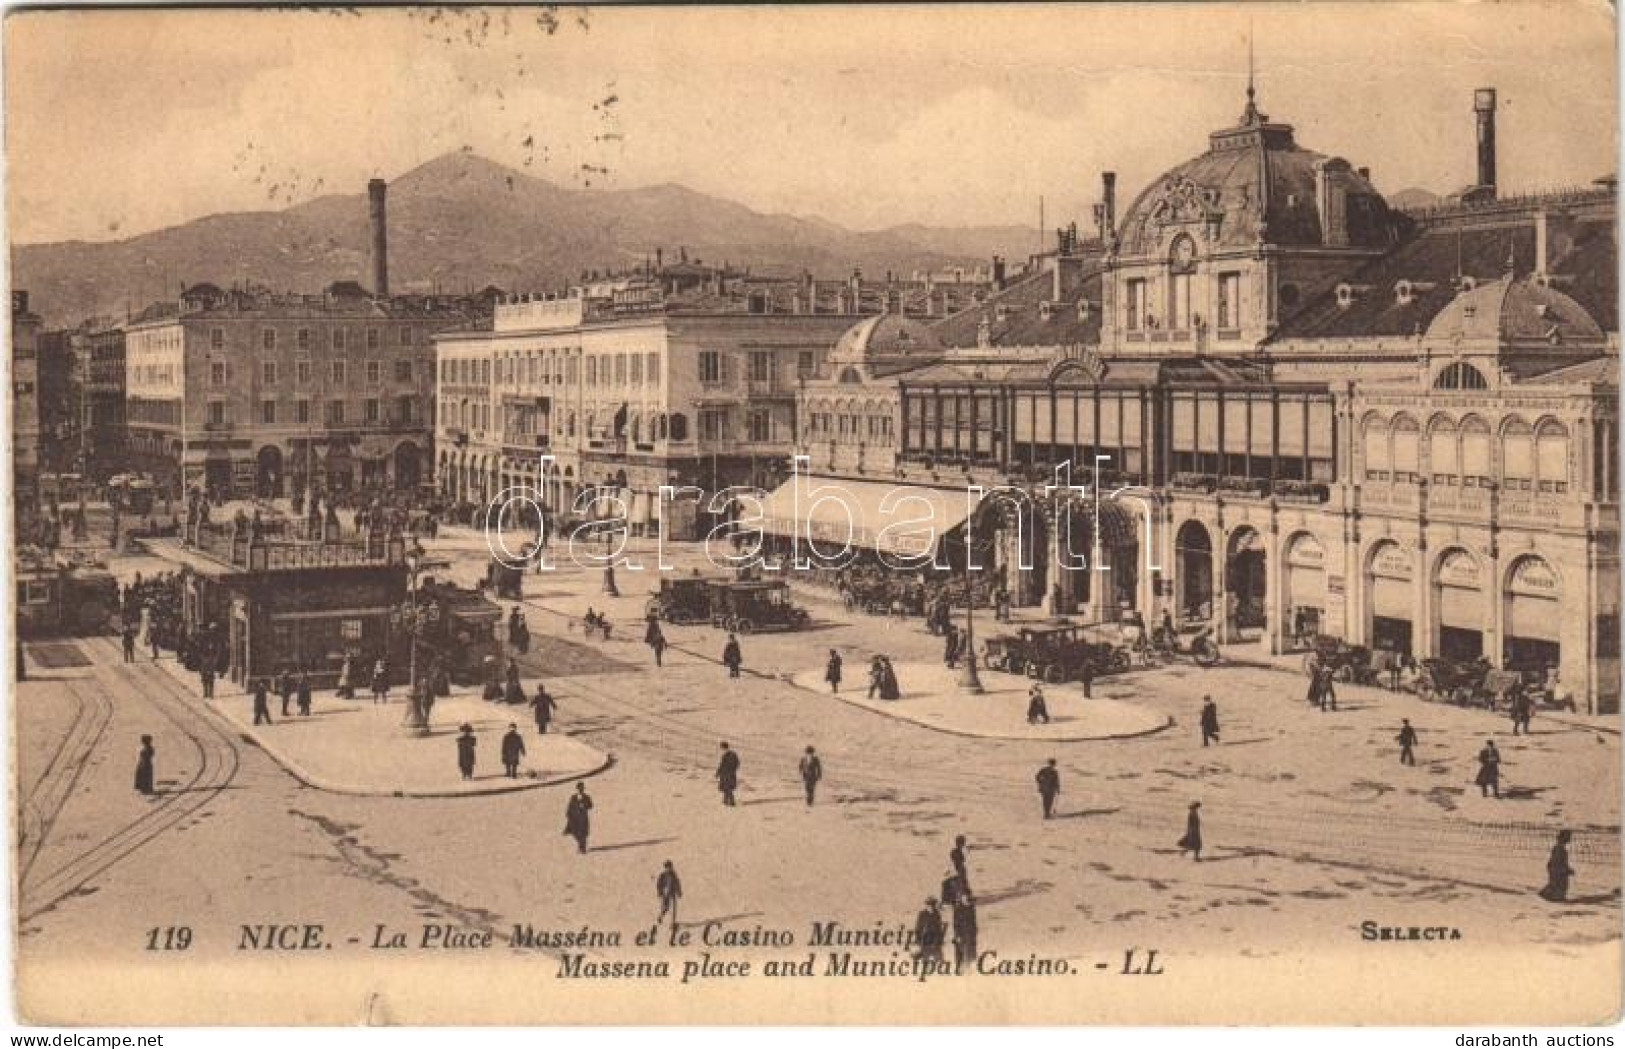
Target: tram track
38 810
1472 854
218 762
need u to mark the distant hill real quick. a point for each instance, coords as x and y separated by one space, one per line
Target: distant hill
1414 198
462 221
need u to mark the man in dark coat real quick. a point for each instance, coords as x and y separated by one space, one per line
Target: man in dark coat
928 932
1037 709
513 748
129 642
728 774
1489 770
965 933
1210 721
465 751
1192 841
302 694
950 645
543 706
1407 742
655 638
1522 710
812 770
832 671
206 675
732 658
669 888
1049 786
956 856
577 816
285 688
262 704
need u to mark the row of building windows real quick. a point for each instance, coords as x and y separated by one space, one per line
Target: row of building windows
831 425
1533 458
1178 314
333 411
336 372
305 338
610 369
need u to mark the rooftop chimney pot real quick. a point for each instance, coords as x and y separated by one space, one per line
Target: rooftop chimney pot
377 220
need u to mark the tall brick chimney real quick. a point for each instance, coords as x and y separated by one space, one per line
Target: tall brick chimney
378 244
1108 200
1484 107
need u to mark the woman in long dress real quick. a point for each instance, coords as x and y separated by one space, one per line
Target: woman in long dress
1192 841
346 685
143 767
888 681
1558 871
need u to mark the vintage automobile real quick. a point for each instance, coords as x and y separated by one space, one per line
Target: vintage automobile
56 600
745 607
1063 653
1006 652
683 600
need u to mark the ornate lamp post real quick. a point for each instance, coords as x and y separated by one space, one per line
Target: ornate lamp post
976 538
414 619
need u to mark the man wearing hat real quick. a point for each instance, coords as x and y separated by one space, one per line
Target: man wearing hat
465 751
513 748
928 931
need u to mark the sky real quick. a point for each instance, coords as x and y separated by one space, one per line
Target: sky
121 122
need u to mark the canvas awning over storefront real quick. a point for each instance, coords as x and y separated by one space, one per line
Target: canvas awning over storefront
902 519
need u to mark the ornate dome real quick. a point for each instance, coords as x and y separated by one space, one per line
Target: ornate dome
1256 185
1515 310
887 336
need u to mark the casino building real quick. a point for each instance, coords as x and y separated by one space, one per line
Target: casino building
1326 414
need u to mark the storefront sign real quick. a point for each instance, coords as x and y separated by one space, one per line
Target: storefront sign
1460 569
1334 584
1392 562
1306 552
1535 578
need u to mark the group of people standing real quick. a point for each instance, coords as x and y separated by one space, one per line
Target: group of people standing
930 929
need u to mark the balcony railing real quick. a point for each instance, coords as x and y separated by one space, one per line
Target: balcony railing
283 545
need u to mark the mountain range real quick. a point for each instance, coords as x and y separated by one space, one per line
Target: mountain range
461 222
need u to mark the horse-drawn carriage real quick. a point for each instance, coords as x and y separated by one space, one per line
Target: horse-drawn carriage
505 579
879 593
1349 664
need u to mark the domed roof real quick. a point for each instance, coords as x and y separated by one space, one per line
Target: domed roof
1515 309
1256 184
887 335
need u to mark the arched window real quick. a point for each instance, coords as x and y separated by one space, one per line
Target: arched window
1444 462
1517 456
1406 435
1475 453
1374 442
1461 376
1552 456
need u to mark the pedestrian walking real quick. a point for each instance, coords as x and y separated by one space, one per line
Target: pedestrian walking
1314 685
1407 742
1049 787
206 675
928 932
832 671
1328 689
578 816
669 889
380 682
152 639
1210 721
262 702
465 751
284 689
812 770
950 645
956 856
728 774
1192 841
513 748
1521 711
302 694
1086 675
542 705
144 767
732 658
1037 709
877 675
655 639
129 643
965 933
514 691
1489 770
1558 871
347 677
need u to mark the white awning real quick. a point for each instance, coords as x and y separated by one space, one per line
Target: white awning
903 519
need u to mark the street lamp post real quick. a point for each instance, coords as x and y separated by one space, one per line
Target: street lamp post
970 682
414 619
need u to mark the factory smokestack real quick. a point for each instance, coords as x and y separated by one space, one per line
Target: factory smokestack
1108 200
378 225
1484 106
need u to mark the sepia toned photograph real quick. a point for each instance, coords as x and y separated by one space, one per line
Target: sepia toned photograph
831 514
